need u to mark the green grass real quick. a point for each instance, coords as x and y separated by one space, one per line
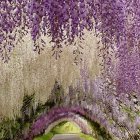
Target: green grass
86 137
65 128
45 137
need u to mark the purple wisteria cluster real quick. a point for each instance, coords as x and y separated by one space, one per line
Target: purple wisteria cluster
62 20
128 67
118 112
10 19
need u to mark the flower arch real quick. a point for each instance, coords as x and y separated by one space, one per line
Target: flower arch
46 121
74 118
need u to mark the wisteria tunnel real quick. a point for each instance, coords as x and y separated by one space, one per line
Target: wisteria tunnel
48 121
70 70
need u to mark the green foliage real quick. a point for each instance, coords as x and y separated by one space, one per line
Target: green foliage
9 129
45 137
13 129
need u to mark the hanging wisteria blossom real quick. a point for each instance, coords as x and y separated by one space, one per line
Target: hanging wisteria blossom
61 20
115 22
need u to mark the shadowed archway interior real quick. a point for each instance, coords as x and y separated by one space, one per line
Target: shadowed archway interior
65 130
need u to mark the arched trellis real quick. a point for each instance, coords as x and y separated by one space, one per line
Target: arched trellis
45 121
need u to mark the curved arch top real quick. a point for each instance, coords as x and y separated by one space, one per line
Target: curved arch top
48 120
